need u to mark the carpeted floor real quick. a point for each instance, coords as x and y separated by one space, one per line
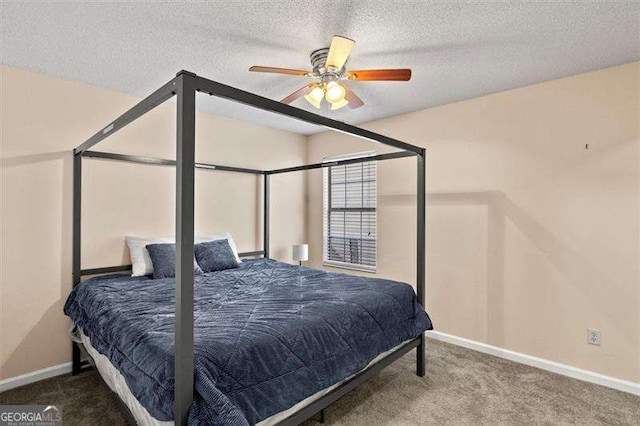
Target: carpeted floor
461 387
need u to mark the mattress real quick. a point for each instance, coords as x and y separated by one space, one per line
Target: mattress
267 335
117 384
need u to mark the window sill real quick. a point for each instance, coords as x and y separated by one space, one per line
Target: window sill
350 266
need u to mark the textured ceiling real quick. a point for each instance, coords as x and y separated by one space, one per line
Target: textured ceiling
456 50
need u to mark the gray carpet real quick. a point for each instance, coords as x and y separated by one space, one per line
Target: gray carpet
461 387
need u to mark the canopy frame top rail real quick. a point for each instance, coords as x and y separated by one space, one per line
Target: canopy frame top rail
213 88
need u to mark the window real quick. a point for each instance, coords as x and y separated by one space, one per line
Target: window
349 213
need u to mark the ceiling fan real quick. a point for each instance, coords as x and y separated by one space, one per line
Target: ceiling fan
330 73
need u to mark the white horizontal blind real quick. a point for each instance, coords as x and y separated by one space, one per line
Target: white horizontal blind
349 212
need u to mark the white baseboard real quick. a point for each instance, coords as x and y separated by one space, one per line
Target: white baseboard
554 367
35 376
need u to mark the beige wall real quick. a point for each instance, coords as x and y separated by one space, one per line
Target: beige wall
42 120
531 238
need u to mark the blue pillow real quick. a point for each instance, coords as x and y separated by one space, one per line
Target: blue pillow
215 255
163 258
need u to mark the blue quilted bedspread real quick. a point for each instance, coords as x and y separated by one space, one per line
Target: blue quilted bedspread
267 335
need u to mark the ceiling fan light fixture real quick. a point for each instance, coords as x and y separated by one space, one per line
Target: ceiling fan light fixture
337 105
330 74
335 92
315 96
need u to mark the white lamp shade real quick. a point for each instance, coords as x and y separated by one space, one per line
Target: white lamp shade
301 252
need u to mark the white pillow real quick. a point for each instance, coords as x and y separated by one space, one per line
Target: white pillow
141 262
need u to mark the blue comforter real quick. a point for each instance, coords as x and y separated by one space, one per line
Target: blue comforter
267 335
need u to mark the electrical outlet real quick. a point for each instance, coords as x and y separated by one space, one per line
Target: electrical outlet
593 336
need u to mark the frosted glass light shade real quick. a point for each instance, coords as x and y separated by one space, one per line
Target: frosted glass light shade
300 252
335 92
315 96
337 105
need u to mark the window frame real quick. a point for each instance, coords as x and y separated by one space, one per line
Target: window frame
326 193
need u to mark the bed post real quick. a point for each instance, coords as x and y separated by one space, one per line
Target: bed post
265 222
185 167
76 365
421 257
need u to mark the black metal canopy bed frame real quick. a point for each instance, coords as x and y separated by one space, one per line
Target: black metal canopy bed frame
185 87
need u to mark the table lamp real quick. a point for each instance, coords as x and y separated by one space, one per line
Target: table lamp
300 253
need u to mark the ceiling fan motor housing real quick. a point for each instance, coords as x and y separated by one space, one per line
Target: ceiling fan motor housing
318 60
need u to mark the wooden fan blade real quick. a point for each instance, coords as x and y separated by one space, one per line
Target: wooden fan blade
339 52
354 100
280 70
298 94
403 74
